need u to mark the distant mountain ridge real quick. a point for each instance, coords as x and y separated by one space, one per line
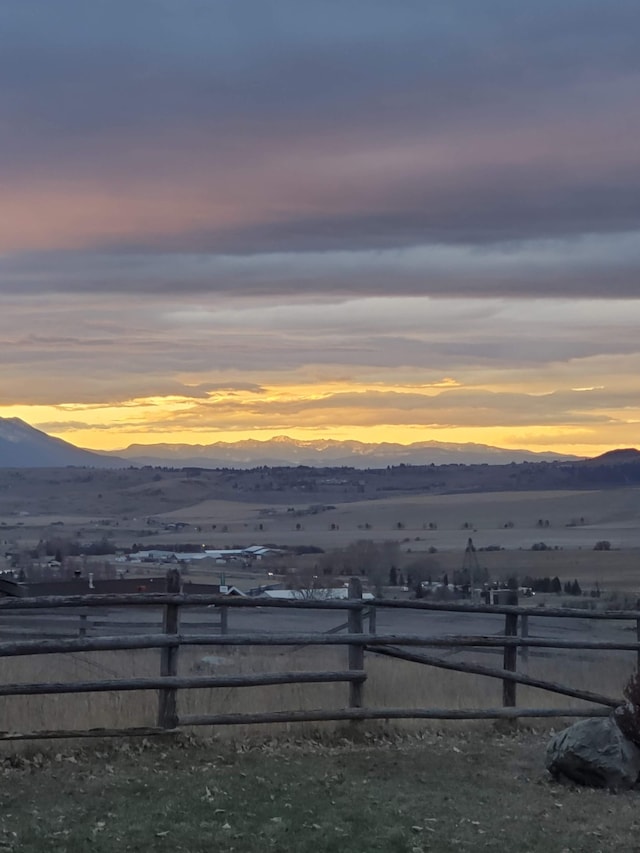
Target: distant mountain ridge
622 456
327 453
23 446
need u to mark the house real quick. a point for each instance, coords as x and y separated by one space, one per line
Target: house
261 552
88 585
328 594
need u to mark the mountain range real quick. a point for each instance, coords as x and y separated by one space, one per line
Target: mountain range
325 453
23 446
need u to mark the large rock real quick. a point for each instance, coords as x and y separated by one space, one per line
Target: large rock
594 752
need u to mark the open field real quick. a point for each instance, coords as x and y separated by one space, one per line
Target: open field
390 683
439 794
576 520
505 518
568 522
138 502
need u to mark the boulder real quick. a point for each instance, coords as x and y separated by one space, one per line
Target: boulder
594 752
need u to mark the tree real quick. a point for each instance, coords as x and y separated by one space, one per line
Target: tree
540 546
308 585
602 545
556 586
421 569
369 559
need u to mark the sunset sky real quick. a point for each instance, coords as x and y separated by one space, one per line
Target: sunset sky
388 221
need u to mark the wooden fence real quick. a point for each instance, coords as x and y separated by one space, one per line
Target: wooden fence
397 646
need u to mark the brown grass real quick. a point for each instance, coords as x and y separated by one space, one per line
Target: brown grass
390 683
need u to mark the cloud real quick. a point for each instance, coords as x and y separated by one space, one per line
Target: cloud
100 350
421 127
211 205
459 408
604 266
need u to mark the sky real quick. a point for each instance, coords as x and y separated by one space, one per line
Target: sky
387 221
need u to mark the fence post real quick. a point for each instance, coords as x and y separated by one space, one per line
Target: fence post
167 696
224 620
524 650
510 660
356 652
373 612
82 628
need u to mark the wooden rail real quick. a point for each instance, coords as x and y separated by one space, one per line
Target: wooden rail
159 599
176 682
13 648
169 641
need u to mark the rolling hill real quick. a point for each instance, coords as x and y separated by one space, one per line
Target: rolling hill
23 446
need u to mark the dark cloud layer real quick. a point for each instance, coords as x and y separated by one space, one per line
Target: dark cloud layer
253 128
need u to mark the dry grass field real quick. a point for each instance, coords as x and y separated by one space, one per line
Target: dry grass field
577 519
121 501
390 683
392 787
118 504
418 523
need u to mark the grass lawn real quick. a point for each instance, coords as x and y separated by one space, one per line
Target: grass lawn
451 792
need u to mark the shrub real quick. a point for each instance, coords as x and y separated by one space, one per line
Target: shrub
628 714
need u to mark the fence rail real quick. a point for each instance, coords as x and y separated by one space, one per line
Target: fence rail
158 599
169 641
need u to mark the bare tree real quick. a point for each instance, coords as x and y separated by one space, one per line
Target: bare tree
364 558
424 568
308 585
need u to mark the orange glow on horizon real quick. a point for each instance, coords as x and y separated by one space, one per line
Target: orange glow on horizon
334 409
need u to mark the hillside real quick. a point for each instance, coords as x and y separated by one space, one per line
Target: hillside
23 446
622 456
